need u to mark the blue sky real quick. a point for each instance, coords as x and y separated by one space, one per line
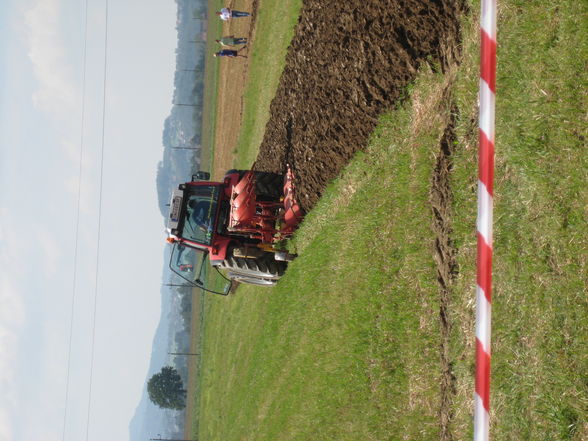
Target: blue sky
41 71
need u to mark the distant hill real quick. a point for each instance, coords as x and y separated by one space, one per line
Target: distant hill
180 129
172 335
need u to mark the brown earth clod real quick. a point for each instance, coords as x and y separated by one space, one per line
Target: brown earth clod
348 62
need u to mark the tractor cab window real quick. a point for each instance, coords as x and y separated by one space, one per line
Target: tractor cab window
200 214
192 265
187 262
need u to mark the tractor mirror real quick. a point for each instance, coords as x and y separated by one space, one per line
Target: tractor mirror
201 176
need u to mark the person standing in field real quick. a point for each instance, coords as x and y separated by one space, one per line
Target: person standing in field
228 13
231 41
228 53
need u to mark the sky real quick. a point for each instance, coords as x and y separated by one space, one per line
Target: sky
57 286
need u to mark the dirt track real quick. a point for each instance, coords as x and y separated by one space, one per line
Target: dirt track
348 62
232 79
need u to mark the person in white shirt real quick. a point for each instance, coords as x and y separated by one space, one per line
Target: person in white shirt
228 13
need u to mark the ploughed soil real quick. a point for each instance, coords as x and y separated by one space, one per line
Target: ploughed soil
348 62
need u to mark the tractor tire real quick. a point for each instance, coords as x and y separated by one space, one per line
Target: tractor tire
264 269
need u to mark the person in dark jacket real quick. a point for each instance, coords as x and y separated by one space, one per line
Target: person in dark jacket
228 53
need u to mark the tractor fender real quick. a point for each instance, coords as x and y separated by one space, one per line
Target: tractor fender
218 251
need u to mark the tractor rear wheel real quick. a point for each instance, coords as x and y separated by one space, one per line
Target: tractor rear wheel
264 269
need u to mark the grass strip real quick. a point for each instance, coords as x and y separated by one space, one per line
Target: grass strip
211 78
346 347
347 332
540 306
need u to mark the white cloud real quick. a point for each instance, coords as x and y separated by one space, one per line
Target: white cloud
55 63
12 310
5 426
47 53
15 255
49 248
11 320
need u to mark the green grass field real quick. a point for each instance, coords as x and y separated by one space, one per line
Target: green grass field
347 346
210 86
206 163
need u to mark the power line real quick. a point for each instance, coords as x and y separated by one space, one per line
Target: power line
99 220
77 227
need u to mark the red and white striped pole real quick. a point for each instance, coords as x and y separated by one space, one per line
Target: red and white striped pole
484 224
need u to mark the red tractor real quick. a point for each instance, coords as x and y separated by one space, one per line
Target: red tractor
236 225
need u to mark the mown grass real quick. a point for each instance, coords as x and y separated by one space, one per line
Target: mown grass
540 306
211 74
346 347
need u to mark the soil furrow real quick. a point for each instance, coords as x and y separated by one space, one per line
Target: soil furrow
447 268
347 63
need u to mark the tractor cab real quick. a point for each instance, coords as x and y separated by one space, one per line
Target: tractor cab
193 266
193 214
193 229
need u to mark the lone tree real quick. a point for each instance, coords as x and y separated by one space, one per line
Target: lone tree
166 389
